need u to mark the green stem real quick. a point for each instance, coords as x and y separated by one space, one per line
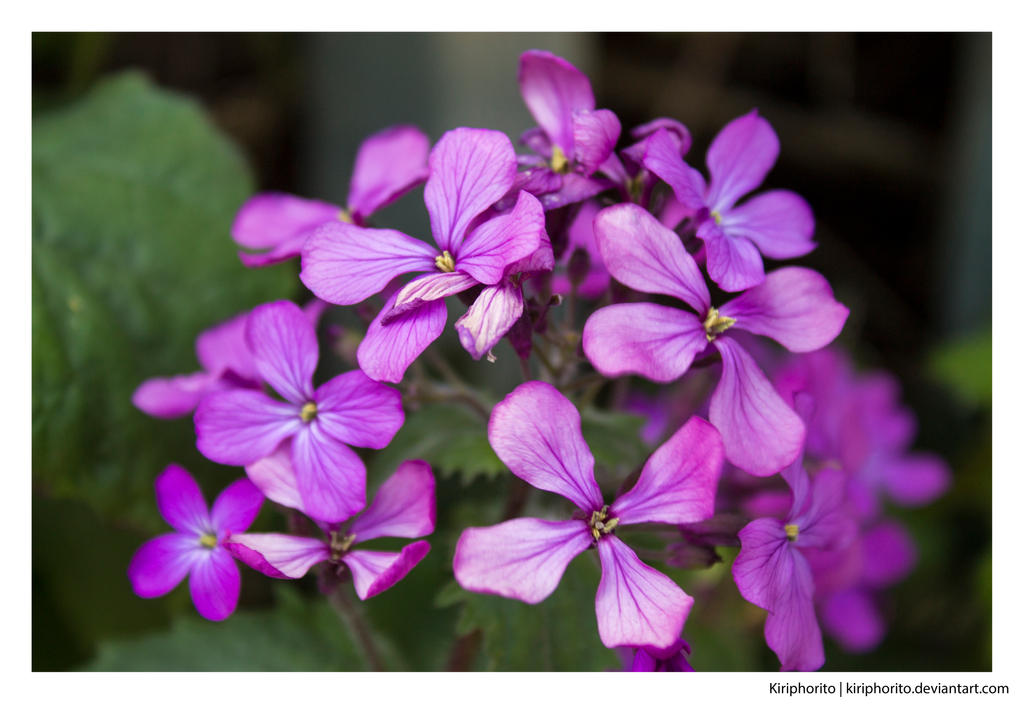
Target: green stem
353 620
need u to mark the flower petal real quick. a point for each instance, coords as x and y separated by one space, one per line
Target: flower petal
278 555
240 427
268 219
374 572
284 250
739 158
181 502
356 410
388 164
889 554
404 506
274 475
594 134
675 130
160 564
678 482
345 264
470 169
430 287
388 350
851 617
662 158
553 89
536 431
491 315
236 507
762 544
175 396
523 559
502 240
916 479
330 476
636 605
761 433
223 347
284 347
575 187
581 236
215 584
733 262
645 255
793 306
779 222
652 340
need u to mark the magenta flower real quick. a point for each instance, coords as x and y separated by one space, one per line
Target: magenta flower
670 659
778 223
240 427
536 433
197 548
772 569
403 508
794 306
388 164
470 170
581 236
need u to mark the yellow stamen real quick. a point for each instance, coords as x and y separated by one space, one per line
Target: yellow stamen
717 217
559 162
445 262
345 216
715 324
792 531
208 540
340 544
600 524
308 412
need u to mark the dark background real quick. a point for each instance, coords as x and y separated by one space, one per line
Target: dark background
888 136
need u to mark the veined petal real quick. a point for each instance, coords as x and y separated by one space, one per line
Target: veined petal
345 264
276 554
675 129
594 134
330 476
491 315
215 584
404 506
181 502
284 347
825 522
284 250
636 605
160 564
502 240
356 410
793 306
780 223
268 219
240 427
388 164
388 350
470 169
374 572
523 559
761 433
175 396
663 159
553 89
236 507
223 347
763 545
733 262
652 340
645 255
430 287
678 482
274 475
739 158
536 432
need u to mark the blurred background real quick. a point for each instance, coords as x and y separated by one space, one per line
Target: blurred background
888 136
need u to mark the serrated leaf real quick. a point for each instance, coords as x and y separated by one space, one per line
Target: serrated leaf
134 191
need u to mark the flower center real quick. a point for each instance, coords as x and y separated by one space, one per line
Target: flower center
792 531
600 524
345 216
445 262
715 324
308 412
208 540
340 544
559 162
717 217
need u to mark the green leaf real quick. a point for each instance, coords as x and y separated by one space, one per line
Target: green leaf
559 634
134 192
296 635
615 440
965 366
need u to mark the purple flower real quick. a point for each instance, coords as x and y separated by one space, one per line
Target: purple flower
470 169
197 548
572 138
388 164
778 223
581 236
772 570
536 433
793 305
403 508
670 659
242 426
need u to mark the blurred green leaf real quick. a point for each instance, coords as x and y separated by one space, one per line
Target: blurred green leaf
134 192
560 633
615 440
965 366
